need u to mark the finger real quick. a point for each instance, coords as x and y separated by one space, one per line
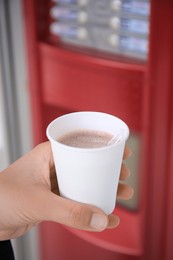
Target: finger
124 192
74 214
125 172
113 221
127 153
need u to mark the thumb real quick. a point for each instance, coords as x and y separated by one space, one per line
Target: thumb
74 214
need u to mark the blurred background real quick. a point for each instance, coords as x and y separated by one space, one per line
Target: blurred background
114 56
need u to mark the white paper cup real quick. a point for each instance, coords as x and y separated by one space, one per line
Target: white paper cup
88 175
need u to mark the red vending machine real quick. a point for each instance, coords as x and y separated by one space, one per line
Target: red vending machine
113 56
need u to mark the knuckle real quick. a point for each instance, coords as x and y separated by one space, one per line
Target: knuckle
80 216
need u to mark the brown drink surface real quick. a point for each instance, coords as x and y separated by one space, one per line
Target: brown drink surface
86 138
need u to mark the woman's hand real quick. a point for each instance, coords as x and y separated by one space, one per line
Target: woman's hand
29 195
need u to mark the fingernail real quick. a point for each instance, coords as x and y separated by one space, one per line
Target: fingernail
128 173
128 193
98 221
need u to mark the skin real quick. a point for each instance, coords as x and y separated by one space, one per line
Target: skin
29 195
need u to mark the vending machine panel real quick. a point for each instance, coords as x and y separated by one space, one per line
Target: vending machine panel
109 56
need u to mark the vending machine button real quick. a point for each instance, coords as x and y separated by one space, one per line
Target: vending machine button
82 17
82 2
82 33
116 5
113 40
114 22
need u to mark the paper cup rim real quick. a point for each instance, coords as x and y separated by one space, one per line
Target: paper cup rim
51 139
